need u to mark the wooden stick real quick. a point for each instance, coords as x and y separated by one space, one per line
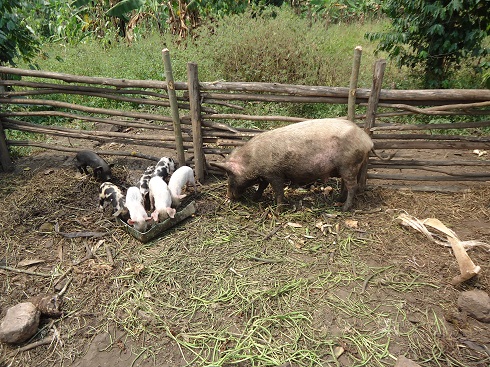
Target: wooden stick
379 69
351 102
120 83
4 267
196 117
125 123
45 341
413 163
73 106
393 144
467 177
27 143
174 108
402 127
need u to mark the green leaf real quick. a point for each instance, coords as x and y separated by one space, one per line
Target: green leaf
124 7
80 3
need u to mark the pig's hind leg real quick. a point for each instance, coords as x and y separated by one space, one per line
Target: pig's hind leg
349 185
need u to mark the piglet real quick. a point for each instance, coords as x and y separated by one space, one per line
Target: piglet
160 200
139 219
143 185
180 178
165 167
101 170
110 192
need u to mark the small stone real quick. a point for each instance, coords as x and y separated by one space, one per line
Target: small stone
475 303
20 323
46 227
402 361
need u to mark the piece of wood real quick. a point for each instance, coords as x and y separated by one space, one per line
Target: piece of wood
406 127
57 147
414 163
424 188
403 144
400 177
379 69
6 164
69 78
429 137
24 271
76 107
351 102
45 129
125 123
196 118
235 116
173 106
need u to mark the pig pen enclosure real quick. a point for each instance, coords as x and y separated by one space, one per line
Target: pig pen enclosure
239 284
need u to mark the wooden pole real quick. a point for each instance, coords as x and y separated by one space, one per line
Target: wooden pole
379 70
174 107
351 102
5 161
195 111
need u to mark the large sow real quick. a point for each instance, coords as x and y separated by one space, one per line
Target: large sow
300 153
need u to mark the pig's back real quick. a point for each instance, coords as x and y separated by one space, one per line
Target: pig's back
310 136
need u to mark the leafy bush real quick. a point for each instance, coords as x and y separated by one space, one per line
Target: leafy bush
283 48
437 35
17 40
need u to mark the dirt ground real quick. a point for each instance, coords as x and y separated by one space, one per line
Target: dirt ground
238 284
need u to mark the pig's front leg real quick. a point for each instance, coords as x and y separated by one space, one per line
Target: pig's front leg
277 184
260 190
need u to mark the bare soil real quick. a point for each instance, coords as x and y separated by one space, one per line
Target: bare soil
327 288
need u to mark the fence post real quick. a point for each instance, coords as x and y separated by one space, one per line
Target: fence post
5 161
195 110
379 70
351 102
173 106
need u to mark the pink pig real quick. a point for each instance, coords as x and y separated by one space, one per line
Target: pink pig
160 199
138 216
180 178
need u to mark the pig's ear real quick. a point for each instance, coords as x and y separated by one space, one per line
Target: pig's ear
171 212
229 167
154 216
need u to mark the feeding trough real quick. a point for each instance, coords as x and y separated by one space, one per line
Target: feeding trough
158 229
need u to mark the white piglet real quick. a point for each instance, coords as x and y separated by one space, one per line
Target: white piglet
160 200
138 216
183 176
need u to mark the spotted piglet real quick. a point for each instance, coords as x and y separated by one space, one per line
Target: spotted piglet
165 167
111 193
183 176
145 179
139 218
160 200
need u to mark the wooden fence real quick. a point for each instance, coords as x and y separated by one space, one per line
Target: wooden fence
193 118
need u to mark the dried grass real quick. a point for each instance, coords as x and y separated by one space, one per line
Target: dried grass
240 285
